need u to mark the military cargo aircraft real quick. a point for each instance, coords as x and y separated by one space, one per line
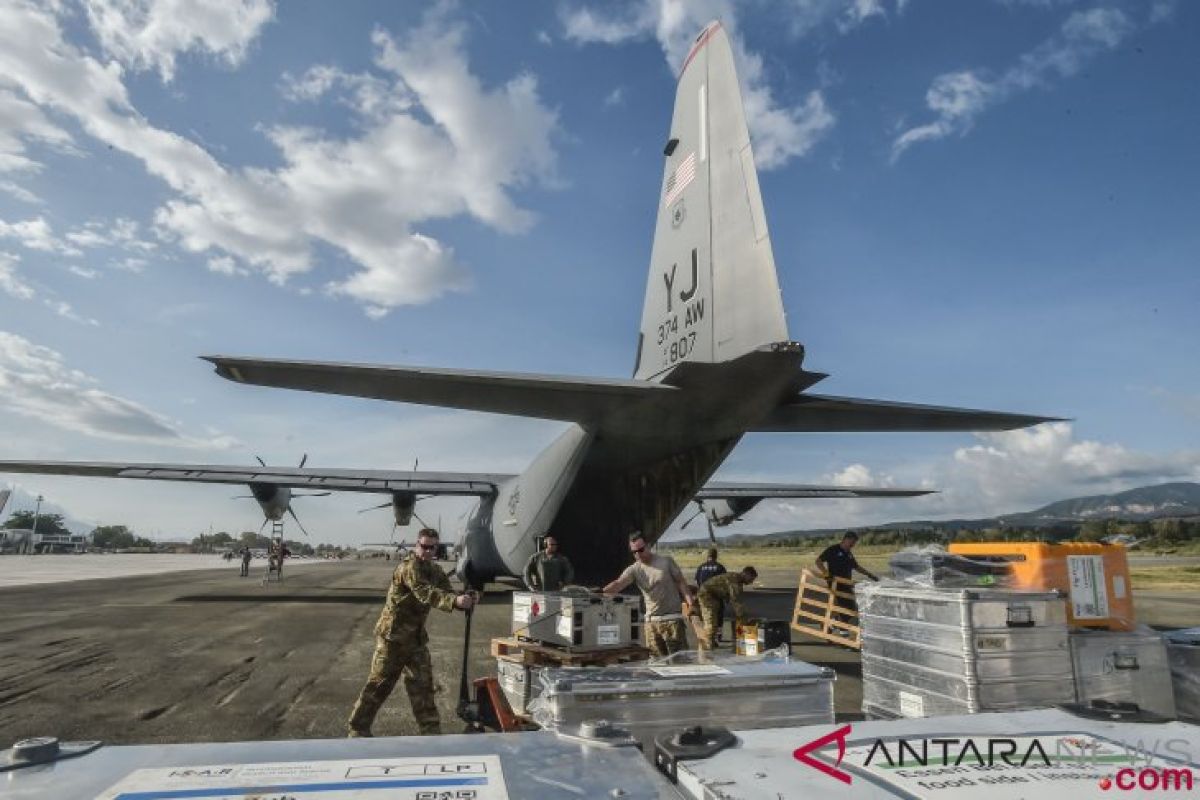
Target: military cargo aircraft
714 361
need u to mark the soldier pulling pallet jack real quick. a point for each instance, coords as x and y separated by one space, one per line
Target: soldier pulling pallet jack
401 642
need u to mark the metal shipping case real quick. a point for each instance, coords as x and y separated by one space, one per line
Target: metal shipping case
577 620
763 764
1183 654
536 766
1123 666
932 652
648 699
517 682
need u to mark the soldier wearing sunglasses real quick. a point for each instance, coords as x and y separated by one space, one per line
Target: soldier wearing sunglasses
663 587
401 642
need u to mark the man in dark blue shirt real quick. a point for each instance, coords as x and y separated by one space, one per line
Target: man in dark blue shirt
709 569
836 561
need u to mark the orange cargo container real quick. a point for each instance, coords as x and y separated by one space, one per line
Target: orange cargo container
1094 578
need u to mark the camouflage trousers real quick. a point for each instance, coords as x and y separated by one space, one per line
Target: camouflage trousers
713 613
665 637
392 659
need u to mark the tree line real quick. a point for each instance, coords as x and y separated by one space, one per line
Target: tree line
1152 534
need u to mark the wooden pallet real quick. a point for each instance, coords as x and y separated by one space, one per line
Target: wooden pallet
535 654
819 614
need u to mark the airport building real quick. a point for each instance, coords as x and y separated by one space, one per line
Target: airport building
23 541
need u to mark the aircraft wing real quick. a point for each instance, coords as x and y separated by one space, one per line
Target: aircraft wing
823 413
720 490
567 398
341 480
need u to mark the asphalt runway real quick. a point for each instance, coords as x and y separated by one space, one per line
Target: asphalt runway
209 656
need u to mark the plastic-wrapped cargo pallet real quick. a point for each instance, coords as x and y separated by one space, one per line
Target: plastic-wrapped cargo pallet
1123 667
935 652
932 567
649 698
1045 754
1183 653
1093 577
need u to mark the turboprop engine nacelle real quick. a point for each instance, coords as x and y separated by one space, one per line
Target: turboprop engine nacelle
273 500
723 512
403 504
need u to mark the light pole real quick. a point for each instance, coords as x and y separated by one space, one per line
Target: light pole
36 512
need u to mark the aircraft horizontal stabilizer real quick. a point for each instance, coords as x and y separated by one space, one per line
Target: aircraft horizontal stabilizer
807 413
728 491
558 397
341 480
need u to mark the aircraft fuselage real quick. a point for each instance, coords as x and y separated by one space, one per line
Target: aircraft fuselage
599 481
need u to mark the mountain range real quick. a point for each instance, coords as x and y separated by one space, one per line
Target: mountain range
1180 500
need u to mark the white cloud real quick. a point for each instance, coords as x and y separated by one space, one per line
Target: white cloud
1002 473
121 232
10 281
131 264
808 15
36 234
616 97
369 95
83 272
21 122
957 98
66 311
225 265
150 34
779 133
20 192
12 284
365 195
36 383
858 475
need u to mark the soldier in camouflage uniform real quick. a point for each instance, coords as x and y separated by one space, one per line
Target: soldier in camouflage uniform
713 596
401 643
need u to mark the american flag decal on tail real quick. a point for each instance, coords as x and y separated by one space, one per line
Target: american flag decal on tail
680 178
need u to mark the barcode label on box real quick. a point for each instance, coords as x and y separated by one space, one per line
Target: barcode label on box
1089 596
911 705
608 634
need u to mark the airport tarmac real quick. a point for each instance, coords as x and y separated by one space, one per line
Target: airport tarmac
208 656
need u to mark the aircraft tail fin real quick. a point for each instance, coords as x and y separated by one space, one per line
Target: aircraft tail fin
712 294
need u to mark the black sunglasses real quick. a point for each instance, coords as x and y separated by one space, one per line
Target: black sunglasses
426 546
639 549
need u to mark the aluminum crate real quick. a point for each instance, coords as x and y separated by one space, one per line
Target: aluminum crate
969 609
1045 690
649 698
530 766
1123 666
1183 653
577 620
764 765
884 699
1011 656
517 681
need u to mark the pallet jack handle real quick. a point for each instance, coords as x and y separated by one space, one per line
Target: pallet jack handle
468 706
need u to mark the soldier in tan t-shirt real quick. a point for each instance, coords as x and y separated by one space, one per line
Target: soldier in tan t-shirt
662 585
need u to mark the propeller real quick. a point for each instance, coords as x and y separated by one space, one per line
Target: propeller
712 536
298 522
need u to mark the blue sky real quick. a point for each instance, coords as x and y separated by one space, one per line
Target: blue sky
985 204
